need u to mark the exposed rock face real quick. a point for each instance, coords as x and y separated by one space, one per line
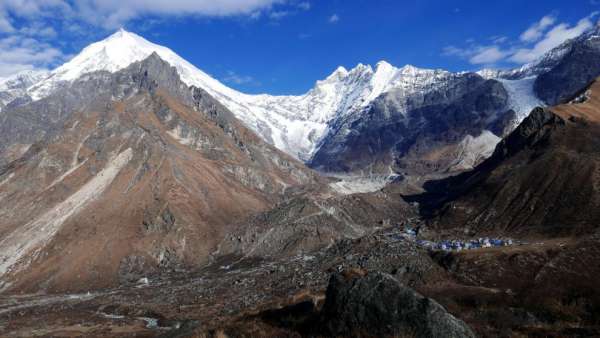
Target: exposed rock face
417 133
128 174
578 66
305 224
377 305
538 180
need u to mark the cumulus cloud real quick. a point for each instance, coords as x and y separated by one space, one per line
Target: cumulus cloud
536 30
533 43
112 14
478 55
38 29
30 24
5 25
488 55
23 53
554 37
334 18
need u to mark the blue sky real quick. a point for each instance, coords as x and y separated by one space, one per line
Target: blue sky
284 46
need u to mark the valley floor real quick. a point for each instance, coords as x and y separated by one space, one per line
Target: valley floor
542 288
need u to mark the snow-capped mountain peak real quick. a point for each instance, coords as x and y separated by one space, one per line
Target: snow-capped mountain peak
295 124
115 53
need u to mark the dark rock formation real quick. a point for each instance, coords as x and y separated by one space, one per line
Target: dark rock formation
377 305
416 134
576 69
542 179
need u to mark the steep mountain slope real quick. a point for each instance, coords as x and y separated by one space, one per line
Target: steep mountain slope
578 67
401 120
298 125
456 122
294 124
418 132
128 174
561 72
543 179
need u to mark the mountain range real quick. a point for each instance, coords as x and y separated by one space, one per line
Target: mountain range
128 164
366 110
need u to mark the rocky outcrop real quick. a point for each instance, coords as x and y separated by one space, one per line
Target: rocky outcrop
577 67
308 223
538 180
377 305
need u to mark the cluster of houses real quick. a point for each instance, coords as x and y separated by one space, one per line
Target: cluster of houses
458 245
450 245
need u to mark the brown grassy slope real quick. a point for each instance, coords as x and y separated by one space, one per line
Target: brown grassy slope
543 179
167 208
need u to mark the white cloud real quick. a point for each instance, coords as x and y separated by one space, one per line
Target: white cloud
554 37
27 25
233 77
276 15
305 5
5 25
334 18
22 53
488 55
8 69
499 39
112 14
36 8
533 43
478 55
535 31
39 29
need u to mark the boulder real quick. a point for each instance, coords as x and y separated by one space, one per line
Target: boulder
377 305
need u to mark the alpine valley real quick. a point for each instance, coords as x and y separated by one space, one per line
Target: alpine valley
141 197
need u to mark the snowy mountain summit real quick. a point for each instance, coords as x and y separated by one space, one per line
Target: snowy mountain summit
295 124
302 125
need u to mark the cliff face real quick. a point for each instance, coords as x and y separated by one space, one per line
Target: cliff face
576 69
417 133
544 178
131 174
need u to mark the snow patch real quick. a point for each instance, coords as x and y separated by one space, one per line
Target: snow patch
349 184
40 231
473 150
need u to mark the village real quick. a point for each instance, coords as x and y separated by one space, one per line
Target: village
412 233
